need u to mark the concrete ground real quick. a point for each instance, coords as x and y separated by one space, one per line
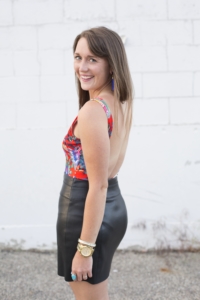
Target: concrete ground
26 275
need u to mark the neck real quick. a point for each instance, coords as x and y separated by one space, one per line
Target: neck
104 90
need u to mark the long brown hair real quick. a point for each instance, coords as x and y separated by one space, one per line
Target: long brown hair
107 44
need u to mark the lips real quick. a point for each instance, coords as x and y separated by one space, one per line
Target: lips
85 78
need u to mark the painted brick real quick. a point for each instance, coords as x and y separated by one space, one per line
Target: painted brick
101 10
151 112
165 32
6 12
7 116
6 89
184 9
147 58
54 88
18 38
27 89
113 25
156 32
72 109
184 58
137 84
69 62
179 32
153 33
168 85
59 36
197 84
52 62
6 68
4 38
26 63
70 76
132 32
71 96
19 89
197 32
153 9
23 37
41 115
38 11
185 111
47 28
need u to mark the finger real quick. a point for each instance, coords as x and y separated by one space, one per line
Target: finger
90 274
85 277
79 276
73 276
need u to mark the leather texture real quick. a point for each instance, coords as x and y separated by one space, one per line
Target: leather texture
69 224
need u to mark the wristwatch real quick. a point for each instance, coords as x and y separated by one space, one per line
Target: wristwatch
84 250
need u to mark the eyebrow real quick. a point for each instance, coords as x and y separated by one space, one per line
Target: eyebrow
87 56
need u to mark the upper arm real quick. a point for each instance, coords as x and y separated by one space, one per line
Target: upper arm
93 131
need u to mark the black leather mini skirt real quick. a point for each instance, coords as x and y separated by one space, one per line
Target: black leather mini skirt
69 224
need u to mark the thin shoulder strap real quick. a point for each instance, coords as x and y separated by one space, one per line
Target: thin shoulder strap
108 113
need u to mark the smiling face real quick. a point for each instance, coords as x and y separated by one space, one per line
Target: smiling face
93 72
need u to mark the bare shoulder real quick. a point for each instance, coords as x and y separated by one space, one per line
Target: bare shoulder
91 111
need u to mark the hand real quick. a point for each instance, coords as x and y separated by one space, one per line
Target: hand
82 266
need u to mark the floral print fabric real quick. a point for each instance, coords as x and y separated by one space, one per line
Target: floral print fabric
75 164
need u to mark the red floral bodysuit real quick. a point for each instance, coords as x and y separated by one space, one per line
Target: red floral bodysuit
75 164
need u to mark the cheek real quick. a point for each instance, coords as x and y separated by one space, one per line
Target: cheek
106 71
105 74
76 66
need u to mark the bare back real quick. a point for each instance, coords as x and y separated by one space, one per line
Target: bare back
119 137
118 140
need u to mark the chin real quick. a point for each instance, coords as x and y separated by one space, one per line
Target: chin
84 88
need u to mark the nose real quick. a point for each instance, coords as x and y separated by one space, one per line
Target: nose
83 65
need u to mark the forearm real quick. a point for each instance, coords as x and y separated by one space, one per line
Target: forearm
93 213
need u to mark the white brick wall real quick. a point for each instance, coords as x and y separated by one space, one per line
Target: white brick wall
147 59
184 58
6 12
19 89
151 112
100 10
37 12
6 63
38 102
51 62
23 37
197 84
142 9
26 63
8 116
168 84
185 111
196 32
31 115
54 88
184 9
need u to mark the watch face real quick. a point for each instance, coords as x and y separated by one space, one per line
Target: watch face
86 251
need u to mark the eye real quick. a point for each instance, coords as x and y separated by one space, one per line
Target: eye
77 57
92 60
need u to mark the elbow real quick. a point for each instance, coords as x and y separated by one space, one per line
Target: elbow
99 186
104 186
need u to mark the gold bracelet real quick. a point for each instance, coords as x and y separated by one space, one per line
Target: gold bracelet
86 243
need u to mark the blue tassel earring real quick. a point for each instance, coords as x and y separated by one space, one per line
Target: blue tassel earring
112 83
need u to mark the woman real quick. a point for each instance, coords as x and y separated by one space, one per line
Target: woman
92 216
